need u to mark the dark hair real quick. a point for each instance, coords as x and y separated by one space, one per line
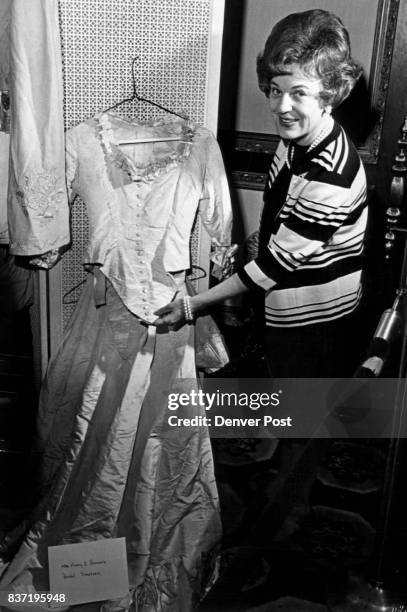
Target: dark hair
319 43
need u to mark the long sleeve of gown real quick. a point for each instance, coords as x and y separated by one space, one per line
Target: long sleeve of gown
214 206
38 213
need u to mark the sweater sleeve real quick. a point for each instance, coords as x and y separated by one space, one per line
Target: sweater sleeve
312 213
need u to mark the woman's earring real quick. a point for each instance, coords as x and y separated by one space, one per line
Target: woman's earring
327 110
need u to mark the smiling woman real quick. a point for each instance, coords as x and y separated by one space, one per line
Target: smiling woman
311 238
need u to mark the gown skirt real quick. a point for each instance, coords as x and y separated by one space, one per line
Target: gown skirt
112 465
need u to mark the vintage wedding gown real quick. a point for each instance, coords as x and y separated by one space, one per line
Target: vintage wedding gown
111 464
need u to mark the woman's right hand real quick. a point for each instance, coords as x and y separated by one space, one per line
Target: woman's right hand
173 314
170 315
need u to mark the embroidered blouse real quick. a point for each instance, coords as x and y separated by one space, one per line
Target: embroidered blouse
142 200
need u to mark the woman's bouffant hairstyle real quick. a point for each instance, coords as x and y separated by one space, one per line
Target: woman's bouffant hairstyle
319 43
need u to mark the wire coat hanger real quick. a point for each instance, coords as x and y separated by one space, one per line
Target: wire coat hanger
135 96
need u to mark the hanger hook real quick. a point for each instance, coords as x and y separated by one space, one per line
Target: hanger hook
136 96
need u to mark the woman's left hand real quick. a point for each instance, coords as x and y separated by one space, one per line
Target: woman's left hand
171 315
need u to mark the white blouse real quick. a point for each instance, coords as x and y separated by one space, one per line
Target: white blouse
142 200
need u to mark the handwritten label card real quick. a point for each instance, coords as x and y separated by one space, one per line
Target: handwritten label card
89 571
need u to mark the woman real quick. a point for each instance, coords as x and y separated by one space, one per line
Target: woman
309 264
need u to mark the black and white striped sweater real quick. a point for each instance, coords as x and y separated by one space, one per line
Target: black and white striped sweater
311 233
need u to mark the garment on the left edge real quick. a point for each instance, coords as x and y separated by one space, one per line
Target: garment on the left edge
38 213
4 137
4 165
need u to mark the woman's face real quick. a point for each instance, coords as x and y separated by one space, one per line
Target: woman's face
296 105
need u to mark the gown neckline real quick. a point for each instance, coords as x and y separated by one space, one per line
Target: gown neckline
161 157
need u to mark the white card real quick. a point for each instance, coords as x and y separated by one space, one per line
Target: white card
89 571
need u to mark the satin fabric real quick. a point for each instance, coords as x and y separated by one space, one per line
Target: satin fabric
142 200
112 465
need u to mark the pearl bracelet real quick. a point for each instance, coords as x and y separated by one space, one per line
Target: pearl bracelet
187 308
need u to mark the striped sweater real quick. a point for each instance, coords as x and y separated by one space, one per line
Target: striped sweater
311 234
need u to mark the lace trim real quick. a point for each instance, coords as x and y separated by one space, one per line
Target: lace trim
47 260
41 194
143 172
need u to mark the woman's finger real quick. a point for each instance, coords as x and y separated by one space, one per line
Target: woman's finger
163 310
